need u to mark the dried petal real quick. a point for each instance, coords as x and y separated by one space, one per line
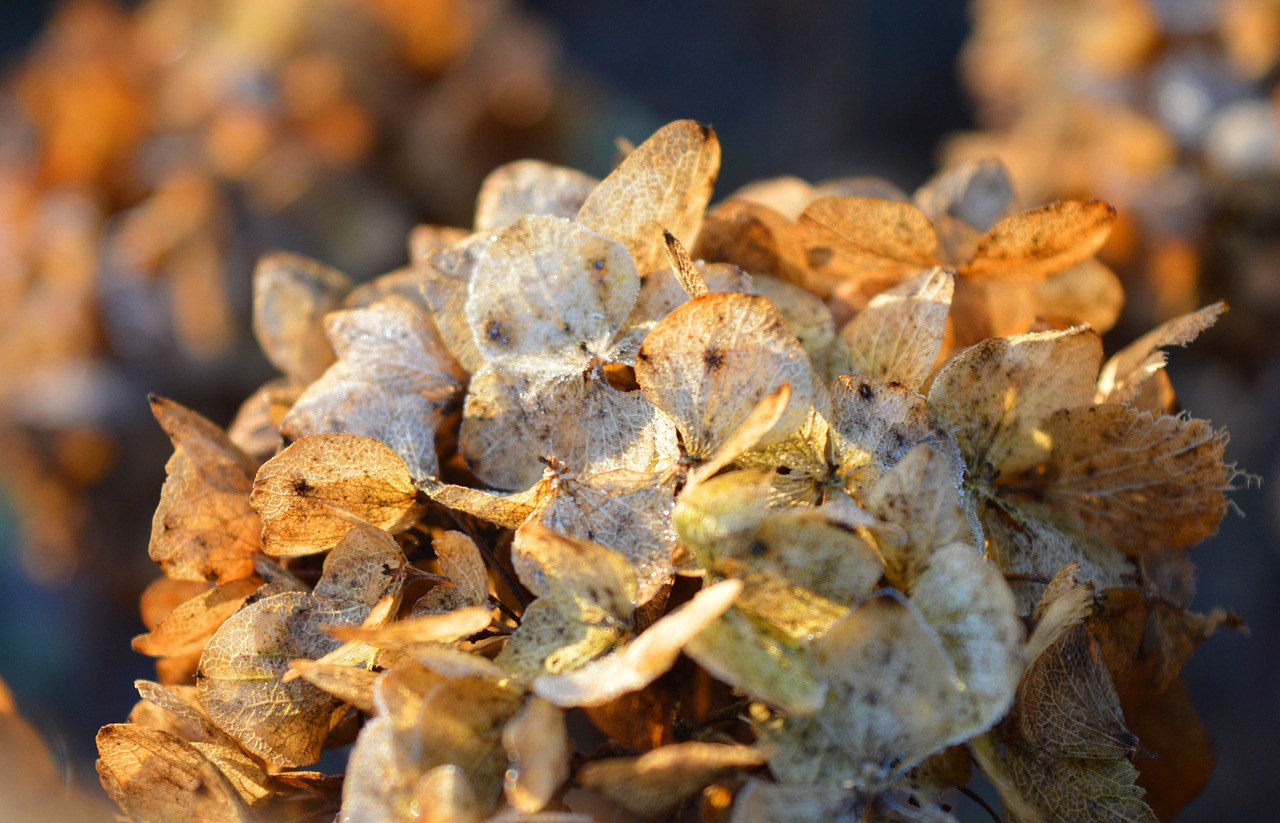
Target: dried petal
656 782
153 775
1032 245
898 336
204 528
312 493
643 660
711 361
1143 482
664 184
392 382
995 396
291 296
546 285
537 745
530 187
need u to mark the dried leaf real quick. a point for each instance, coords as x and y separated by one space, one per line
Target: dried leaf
1067 707
665 183
530 187
1032 542
203 528
1143 482
550 562
312 493
425 721
445 277
291 296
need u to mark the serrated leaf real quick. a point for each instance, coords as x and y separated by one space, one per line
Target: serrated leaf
1124 376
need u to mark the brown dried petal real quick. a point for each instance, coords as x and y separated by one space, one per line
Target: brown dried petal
1035 244
312 493
291 296
155 776
1143 482
898 336
204 528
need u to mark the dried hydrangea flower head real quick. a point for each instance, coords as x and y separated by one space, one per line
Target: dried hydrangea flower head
565 522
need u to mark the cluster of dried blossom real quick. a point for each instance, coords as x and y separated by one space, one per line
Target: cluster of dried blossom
799 508
1166 109
149 151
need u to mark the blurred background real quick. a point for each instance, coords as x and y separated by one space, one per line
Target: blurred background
150 151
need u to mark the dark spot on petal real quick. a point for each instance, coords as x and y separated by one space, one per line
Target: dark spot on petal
301 486
865 392
497 332
819 256
758 548
713 359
